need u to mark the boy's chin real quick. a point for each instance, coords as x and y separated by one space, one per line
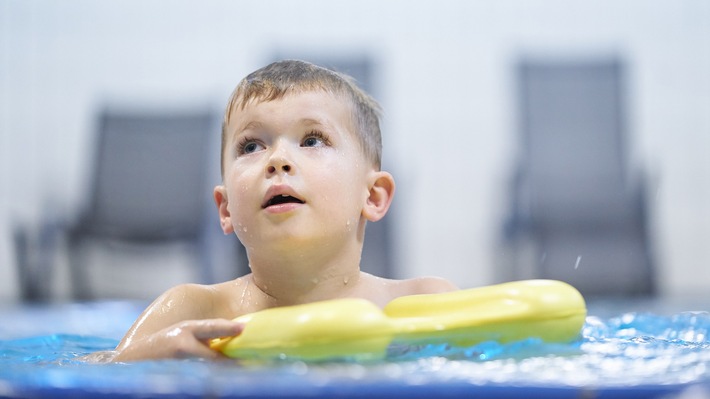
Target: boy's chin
301 246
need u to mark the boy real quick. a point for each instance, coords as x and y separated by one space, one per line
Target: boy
301 177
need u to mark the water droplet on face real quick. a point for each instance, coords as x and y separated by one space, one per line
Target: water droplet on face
346 279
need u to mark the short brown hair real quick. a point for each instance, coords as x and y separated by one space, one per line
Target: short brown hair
276 80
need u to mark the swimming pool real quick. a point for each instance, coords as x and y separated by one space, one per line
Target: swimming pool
629 354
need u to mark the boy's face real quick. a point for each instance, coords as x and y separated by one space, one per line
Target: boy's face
293 172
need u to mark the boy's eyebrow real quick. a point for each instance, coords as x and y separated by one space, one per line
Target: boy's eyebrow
251 126
311 121
257 125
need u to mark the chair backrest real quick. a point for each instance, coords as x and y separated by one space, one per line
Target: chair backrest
573 147
150 175
377 255
574 196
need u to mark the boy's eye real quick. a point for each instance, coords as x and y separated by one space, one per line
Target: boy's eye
312 142
315 139
249 146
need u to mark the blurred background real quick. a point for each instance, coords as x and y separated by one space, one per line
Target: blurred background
541 138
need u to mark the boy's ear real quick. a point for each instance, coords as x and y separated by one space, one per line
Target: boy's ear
380 196
225 219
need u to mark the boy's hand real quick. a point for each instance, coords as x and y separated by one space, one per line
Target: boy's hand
186 339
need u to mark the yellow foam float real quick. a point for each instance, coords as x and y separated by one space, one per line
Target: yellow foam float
550 310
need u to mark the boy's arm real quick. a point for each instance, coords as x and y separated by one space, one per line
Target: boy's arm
181 340
176 325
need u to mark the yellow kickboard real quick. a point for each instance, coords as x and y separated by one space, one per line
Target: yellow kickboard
355 328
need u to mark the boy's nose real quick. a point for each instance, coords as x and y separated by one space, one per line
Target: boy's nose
279 163
280 160
271 169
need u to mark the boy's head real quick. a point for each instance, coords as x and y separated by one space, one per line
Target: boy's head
281 78
301 162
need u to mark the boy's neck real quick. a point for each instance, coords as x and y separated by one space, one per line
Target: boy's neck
289 284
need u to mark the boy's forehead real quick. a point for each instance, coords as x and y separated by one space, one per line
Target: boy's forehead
313 107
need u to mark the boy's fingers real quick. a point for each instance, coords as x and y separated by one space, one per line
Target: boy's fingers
216 328
205 353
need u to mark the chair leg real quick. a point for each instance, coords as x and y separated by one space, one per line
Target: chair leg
25 267
35 263
80 287
205 261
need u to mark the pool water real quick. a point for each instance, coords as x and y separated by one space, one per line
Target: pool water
631 355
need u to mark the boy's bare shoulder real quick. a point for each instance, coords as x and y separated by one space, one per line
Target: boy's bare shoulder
397 288
426 285
190 299
200 300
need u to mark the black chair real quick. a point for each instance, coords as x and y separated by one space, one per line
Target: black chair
577 212
150 188
377 255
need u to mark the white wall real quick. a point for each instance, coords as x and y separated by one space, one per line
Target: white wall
445 84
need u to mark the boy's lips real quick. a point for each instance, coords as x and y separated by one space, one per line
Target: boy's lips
281 195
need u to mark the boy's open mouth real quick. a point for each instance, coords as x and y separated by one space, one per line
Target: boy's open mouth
281 199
